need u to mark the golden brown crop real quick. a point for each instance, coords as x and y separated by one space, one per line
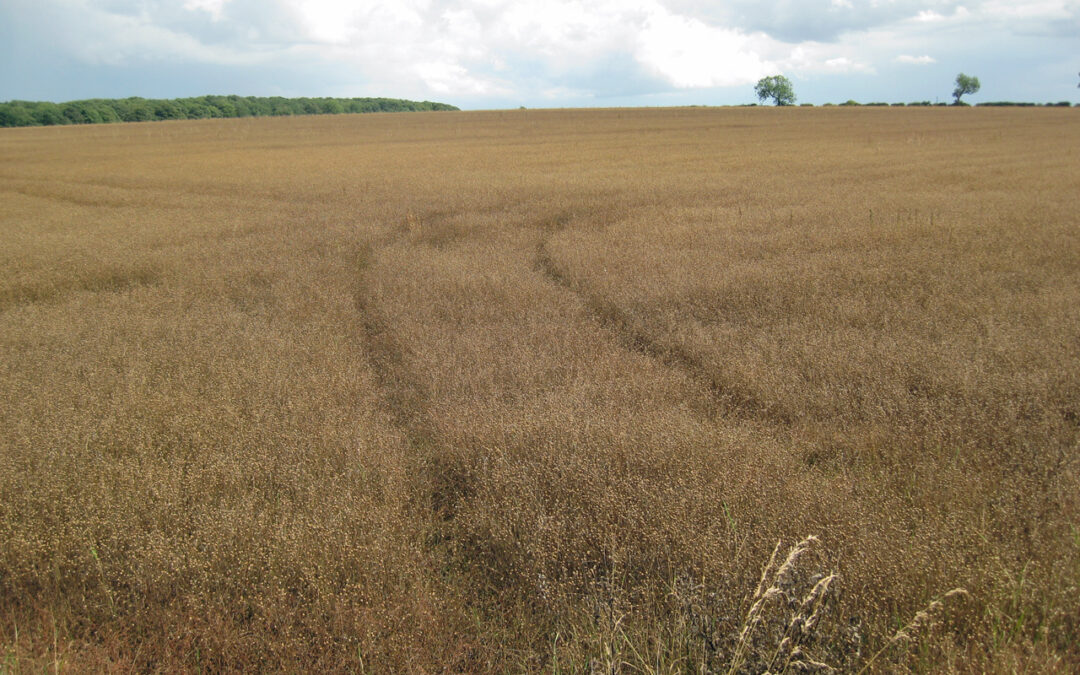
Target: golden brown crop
541 390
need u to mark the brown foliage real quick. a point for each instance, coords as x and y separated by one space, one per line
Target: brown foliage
534 390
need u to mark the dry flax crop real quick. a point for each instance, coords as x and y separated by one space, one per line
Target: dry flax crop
541 390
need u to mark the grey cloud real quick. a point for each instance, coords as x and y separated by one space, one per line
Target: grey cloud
243 24
796 21
67 50
1067 27
258 23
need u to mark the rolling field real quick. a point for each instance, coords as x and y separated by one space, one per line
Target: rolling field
541 391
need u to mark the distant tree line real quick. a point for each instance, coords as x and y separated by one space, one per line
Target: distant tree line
780 90
942 104
135 109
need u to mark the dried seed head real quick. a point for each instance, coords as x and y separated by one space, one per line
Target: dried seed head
956 592
803 663
765 571
816 599
785 576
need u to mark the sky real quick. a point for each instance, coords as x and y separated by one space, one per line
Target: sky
483 54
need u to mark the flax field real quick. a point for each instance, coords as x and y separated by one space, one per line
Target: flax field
694 390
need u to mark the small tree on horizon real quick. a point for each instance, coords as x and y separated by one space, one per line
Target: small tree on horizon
775 87
965 84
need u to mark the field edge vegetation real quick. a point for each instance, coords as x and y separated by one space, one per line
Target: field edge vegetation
137 109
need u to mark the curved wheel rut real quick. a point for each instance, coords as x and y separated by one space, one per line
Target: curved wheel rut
633 336
406 399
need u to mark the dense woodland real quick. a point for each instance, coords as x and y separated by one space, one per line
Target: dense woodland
135 109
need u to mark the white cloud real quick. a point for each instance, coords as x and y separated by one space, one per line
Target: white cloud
451 78
929 16
687 53
843 64
329 21
466 46
915 60
814 58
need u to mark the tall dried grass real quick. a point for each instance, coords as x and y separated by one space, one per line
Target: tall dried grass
531 390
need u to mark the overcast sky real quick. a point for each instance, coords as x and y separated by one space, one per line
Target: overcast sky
539 53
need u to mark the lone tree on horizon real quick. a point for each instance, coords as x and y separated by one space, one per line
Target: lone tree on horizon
965 85
776 87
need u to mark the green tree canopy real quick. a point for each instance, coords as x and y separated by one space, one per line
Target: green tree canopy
135 109
775 87
965 84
